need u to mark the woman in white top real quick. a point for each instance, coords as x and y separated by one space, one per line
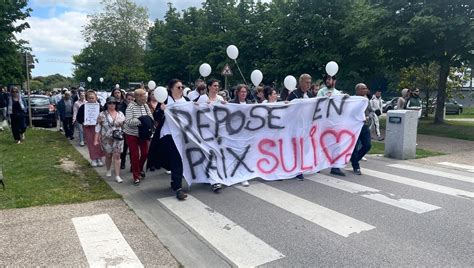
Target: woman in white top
270 94
167 155
212 92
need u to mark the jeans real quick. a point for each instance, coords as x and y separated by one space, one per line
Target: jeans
364 148
80 130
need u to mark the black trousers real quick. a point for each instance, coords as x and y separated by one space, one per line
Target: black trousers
171 160
68 127
362 147
18 125
123 155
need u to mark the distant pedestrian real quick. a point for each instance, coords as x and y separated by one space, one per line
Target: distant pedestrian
66 112
363 144
402 101
17 110
414 102
376 103
3 107
79 126
110 136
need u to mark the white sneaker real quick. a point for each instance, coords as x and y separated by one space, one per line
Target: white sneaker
81 143
364 159
94 163
168 172
109 173
118 179
245 183
99 163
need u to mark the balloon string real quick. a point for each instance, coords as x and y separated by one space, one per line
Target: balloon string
240 72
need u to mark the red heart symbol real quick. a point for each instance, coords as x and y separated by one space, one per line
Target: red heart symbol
338 136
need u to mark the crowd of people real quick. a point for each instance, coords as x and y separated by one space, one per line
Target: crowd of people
133 123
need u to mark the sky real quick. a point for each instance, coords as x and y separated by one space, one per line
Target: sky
55 29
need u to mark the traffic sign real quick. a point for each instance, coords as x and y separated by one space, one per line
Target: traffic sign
82 84
226 71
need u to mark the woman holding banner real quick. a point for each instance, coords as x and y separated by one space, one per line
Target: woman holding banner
270 94
167 155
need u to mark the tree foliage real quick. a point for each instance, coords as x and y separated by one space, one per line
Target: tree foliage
116 41
11 13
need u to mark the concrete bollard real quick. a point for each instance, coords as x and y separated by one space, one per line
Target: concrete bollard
400 136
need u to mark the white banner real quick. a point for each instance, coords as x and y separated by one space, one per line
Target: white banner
231 143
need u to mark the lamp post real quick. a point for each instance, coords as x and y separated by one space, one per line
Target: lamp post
89 79
101 80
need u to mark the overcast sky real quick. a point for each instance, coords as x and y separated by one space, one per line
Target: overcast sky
55 29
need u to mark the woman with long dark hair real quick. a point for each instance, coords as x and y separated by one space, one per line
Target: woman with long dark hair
17 110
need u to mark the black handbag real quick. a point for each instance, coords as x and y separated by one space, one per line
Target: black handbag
117 134
378 112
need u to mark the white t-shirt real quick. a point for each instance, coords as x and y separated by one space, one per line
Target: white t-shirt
193 95
165 130
305 95
219 99
243 102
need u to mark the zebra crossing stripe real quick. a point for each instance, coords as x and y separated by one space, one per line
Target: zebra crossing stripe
329 219
238 245
419 184
374 194
434 172
467 168
103 243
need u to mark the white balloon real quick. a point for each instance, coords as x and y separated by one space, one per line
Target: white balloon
256 76
186 91
290 82
117 86
332 68
101 79
205 70
151 84
232 52
161 94
89 79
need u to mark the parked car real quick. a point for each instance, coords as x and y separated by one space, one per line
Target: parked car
42 110
390 105
453 107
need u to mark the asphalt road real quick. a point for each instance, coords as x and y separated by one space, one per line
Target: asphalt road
394 217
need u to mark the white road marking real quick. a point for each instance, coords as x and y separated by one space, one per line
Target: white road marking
419 184
374 194
468 168
103 243
434 172
234 242
333 221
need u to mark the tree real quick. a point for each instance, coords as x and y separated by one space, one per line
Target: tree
11 12
421 32
116 42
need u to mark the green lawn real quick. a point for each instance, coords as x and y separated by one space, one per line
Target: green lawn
450 129
378 148
34 176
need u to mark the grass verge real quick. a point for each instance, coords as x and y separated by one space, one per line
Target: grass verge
379 147
47 170
451 129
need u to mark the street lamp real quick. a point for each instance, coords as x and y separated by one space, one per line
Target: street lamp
89 79
101 80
